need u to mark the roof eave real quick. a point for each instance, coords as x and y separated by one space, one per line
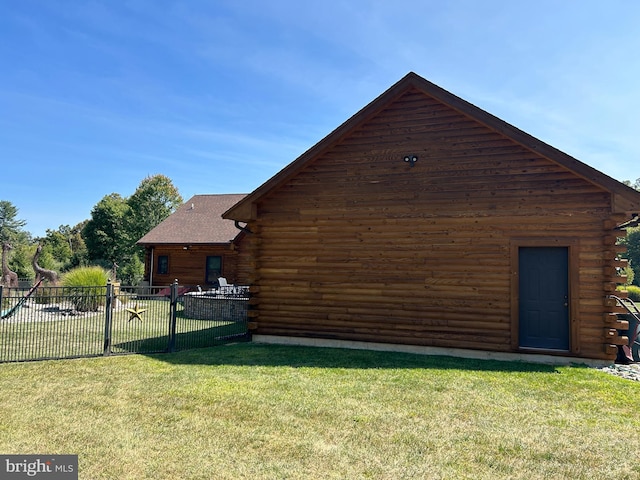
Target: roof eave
185 242
627 198
245 211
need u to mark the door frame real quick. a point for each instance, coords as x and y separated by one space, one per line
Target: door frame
572 245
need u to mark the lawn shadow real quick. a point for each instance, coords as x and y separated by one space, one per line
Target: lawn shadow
195 339
254 354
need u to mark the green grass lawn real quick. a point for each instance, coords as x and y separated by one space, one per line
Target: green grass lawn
274 412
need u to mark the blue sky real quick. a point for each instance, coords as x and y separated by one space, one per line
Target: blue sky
220 95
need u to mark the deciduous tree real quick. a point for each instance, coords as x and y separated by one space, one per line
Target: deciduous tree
635 184
154 200
65 246
632 241
117 223
104 234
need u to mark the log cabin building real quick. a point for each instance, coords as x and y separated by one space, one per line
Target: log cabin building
426 221
195 245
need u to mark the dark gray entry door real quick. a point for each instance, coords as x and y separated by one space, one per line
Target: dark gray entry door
544 297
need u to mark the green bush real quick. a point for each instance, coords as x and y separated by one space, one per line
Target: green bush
132 271
630 274
634 292
85 285
85 276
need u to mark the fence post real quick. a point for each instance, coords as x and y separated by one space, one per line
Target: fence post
108 318
173 316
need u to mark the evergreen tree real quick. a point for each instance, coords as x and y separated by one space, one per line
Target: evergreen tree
10 226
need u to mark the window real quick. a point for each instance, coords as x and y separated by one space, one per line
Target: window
213 269
163 264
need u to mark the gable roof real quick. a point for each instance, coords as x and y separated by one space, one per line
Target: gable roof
198 221
624 198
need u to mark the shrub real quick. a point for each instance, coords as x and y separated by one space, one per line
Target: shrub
634 292
132 271
85 276
630 274
85 286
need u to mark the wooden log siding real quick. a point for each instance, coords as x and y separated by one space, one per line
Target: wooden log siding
360 246
188 266
244 253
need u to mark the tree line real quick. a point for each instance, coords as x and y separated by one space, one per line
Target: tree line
632 242
108 237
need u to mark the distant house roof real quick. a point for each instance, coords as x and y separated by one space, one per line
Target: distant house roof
198 221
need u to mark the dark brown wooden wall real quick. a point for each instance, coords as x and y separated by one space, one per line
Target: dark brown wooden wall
245 262
188 266
361 246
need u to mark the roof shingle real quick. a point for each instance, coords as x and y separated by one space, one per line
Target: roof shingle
198 221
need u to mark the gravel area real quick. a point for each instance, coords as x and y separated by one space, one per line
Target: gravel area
35 312
630 372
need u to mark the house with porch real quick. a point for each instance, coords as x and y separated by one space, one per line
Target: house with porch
195 245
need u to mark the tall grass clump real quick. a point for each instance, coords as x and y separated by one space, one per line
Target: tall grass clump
86 287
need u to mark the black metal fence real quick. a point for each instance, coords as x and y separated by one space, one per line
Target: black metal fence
67 322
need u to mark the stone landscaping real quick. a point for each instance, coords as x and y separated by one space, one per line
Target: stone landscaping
630 372
208 306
